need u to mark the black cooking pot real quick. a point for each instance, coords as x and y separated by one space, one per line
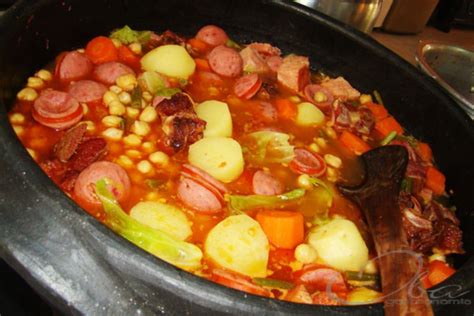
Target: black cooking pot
80 266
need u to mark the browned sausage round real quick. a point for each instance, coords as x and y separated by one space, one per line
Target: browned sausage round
247 86
84 188
265 184
56 109
323 101
87 90
198 197
225 61
107 73
73 66
212 35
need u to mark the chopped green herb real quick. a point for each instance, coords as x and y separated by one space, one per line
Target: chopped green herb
127 36
388 139
378 97
168 92
318 182
153 183
272 283
136 97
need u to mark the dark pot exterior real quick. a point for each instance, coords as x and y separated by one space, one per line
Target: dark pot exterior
81 267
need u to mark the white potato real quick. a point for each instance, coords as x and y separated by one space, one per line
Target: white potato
309 115
219 156
363 295
164 217
170 60
238 243
217 117
340 245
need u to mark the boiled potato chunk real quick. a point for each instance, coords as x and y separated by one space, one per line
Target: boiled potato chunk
363 295
219 156
171 60
238 243
340 245
217 116
164 217
309 115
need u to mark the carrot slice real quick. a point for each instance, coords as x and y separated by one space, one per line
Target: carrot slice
101 50
128 57
284 229
379 111
424 150
439 271
202 64
286 109
425 281
435 180
198 45
354 143
387 125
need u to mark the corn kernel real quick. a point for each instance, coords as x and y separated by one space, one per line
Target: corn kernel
32 153
35 83
304 253
304 183
44 74
124 161
112 121
27 94
136 48
144 166
140 128
148 114
147 96
159 158
113 133
321 142
320 97
365 98
125 97
132 112
132 140
148 146
19 130
127 82
437 256
85 108
115 89
110 97
116 108
17 118
90 125
331 174
133 153
295 99
333 161
116 42
314 147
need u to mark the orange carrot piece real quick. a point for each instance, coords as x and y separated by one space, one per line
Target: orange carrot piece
101 50
202 64
286 109
128 57
424 150
425 281
198 45
379 111
353 143
435 180
387 125
439 271
284 229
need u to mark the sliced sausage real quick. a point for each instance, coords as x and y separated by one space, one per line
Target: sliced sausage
190 170
87 91
247 86
264 183
306 162
341 89
319 96
73 66
294 72
225 61
212 35
56 109
107 73
198 197
84 188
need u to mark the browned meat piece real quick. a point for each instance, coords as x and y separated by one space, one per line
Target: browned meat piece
253 62
182 130
178 103
341 89
67 145
265 50
89 151
55 169
165 38
67 184
358 120
293 73
450 237
268 90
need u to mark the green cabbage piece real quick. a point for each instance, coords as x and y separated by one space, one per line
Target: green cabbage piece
179 253
241 203
268 147
127 36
